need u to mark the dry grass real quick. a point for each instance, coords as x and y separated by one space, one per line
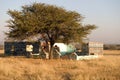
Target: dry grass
20 68
112 52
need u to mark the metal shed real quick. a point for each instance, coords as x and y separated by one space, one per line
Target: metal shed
20 48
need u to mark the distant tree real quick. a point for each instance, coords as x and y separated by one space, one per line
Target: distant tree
54 23
112 47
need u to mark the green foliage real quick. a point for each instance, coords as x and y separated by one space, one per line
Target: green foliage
55 23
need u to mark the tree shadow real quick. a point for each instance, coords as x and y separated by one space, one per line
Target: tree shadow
2 55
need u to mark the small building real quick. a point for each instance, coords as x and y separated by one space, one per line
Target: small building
28 49
92 48
21 48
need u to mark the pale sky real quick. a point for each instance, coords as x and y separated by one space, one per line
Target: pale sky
103 13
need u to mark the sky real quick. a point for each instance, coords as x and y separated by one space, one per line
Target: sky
105 14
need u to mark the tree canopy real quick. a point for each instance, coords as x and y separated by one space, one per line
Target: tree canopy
54 23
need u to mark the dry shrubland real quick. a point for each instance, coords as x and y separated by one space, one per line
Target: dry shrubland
21 68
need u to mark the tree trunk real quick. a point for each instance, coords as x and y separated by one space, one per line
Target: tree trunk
51 51
51 43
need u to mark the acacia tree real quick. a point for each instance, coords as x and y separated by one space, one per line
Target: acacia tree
54 23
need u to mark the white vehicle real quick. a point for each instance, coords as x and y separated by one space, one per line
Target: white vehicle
64 48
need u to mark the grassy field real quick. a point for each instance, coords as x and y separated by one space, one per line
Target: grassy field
20 68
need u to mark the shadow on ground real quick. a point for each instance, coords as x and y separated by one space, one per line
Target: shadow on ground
2 55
